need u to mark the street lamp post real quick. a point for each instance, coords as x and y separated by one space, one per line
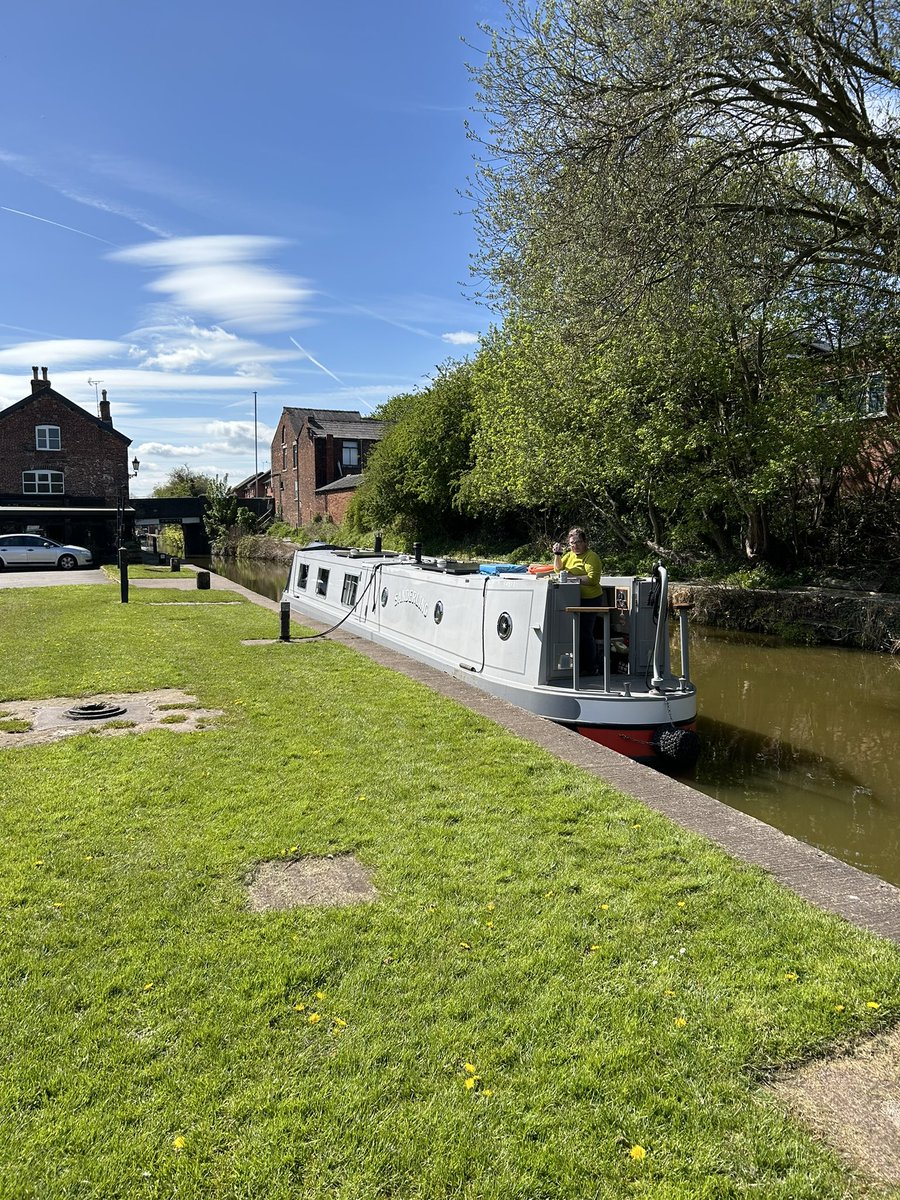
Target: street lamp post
120 530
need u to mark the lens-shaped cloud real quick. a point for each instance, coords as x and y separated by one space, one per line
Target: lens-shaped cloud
222 277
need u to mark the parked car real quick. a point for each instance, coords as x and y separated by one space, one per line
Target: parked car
31 550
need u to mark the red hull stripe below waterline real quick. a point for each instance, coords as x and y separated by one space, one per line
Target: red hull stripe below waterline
633 743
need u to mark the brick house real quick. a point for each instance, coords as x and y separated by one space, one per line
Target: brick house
318 456
255 487
63 472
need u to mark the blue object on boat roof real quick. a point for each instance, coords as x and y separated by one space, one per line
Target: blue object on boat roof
502 569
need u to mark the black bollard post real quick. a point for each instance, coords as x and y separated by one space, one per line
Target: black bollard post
203 580
174 564
123 574
285 622
417 551
377 543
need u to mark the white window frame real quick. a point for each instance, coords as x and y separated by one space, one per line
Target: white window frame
43 483
47 438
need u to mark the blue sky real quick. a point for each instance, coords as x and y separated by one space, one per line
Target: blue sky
201 200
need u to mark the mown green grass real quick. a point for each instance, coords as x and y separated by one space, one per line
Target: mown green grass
613 981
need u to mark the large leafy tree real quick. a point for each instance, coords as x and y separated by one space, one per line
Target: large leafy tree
182 482
642 130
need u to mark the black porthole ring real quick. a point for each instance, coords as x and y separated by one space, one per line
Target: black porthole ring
504 626
438 612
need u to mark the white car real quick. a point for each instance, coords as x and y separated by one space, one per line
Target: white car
32 550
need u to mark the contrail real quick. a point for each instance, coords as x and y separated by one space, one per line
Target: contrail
44 220
315 362
322 367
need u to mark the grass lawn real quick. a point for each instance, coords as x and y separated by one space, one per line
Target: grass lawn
557 995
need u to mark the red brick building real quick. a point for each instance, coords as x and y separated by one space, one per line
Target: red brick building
318 456
63 472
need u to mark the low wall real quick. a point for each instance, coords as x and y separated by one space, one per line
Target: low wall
810 616
266 549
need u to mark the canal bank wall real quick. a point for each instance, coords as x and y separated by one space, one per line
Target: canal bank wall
805 616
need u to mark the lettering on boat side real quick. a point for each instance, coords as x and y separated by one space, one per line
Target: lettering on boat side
409 596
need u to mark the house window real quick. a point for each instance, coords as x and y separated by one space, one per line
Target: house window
294 453
322 581
302 575
348 595
46 437
350 454
42 483
871 396
283 457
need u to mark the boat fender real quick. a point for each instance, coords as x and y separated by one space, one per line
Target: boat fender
679 747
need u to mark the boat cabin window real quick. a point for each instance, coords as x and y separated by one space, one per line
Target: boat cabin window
322 581
302 575
348 595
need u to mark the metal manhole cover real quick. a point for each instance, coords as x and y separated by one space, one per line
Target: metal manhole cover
95 712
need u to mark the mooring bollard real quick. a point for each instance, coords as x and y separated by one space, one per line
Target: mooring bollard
285 622
175 564
203 580
123 574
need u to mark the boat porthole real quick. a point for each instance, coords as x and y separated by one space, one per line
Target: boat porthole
504 626
383 597
438 612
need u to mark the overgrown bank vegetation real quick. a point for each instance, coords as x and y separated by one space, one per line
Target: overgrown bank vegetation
688 222
556 994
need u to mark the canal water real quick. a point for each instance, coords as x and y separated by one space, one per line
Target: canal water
804 738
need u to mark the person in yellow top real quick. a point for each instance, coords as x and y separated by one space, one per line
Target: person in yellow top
578 560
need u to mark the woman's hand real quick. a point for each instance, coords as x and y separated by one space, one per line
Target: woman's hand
557 549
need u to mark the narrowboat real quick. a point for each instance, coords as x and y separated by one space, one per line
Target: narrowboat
513 631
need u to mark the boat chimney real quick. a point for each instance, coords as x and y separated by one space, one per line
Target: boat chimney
105 416
417 551
377 543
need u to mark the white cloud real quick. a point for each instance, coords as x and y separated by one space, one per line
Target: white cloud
221 277
461 338
165 450
72 351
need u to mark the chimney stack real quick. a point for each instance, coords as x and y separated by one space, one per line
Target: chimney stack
38 385
104 409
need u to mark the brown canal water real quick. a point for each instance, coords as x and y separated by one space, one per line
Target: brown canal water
804 738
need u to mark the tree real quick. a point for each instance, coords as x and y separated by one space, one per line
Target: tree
220 511
182 481
645 130
412 477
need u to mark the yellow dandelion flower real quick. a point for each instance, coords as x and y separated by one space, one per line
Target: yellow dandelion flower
667 992
470 1082
872 1004
605 907
38 862
313 1018
487 1091
595 947
360 799
637 826
57 905
148 986
293 850
790 975
681 904
180 1142
299 1008
489 924
839 1008
680 1022
320 995
464 946
340 1022
469 1068
491 906
546 894
638 1153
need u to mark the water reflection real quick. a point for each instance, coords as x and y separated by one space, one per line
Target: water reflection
804 738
